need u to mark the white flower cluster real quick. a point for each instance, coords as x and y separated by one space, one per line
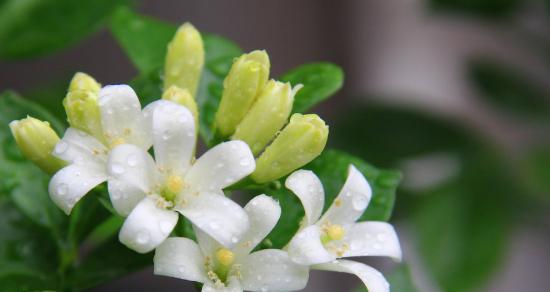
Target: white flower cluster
152 192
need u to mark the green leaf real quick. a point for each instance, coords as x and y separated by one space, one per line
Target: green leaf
32 27
535 170
145 39
320 80
508 90
332 169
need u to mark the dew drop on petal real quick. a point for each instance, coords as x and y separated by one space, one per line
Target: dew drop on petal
131 160
234 239
117 168
244 162
61 189
143 237
359 202
381 237
214 225
61 147
181 269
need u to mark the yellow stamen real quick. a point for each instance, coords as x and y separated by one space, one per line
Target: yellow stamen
335 232
117 141
174 184
225 257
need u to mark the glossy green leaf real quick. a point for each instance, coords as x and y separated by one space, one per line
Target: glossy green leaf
32 27
320 80
510 91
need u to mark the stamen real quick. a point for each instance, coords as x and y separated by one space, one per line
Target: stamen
225 256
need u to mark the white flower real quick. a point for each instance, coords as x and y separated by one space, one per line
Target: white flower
122 122
320 242
152 192
222 269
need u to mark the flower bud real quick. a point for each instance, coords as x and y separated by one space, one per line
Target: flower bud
303 139
83 113
184 59
248 75
83 81
36 140
267 116
183 97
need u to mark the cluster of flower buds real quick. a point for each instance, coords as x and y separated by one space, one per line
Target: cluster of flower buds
109 139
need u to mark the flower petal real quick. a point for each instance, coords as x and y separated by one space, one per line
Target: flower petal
308 188
372 239
373 280
77 147
180 257
132 174
121 116
147 226
218 216
221 166
173 136
352 200
207 244
233 286
71 183
272 270
263 214
306 248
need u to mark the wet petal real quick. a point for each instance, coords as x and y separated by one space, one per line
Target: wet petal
147 226
308 188
373 280
306 247
77 147
180 257
372 239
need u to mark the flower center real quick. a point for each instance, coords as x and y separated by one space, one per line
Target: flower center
117 141
225 257
172 187
221 267
332 232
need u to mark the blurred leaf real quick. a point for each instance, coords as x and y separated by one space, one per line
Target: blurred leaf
332 168
508 90
484 8
462 225
131 30
536 170
400 280
320 80
144 39
33 27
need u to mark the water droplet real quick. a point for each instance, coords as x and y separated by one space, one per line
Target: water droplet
166 135
214 225
218 165
117 168
61 147
264 288
381 236
115 195
181 269
259 277
143 237
234 239
377 246
359 202
132 160
110 111
165 226
182 119
244 162
61 189
348 194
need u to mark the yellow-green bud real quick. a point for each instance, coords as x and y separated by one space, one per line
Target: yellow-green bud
267 116
303 139
83 81
36 140
82 110
183 97
184 59
248 75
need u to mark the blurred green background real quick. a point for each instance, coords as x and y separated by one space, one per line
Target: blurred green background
453 93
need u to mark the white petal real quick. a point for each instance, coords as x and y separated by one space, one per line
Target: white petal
217 215
180 257
147 226
132 174
352 200
306 248
233 286
373 280
121 116
221 166
173 136
207 244
71 183
263 214
308 188
372 239
77 147
272 270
